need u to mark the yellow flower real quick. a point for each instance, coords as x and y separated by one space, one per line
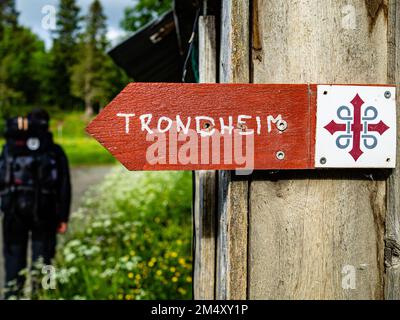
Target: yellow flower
181 291
159 272
120 296
138 277
172 269
128 297
174 254
130 275
188 279
179 242
150 264
181 261
174 279
132 253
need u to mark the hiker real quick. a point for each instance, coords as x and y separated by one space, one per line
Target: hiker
35 195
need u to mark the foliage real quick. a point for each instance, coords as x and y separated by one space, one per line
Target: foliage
21 53
8 15
143 12
131 243
93 74
67 25
74 71
96 28
64 53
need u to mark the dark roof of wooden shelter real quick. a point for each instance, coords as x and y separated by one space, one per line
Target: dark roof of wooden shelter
152 54
157 52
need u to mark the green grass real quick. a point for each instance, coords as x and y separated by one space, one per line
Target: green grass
85 151
81 149
69 131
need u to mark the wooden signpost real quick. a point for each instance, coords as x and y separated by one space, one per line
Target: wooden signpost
166 126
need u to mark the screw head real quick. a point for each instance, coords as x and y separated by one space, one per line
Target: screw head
322 160
388 94
280 155
281 125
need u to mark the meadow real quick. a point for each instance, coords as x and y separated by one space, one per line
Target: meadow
68 129
130 240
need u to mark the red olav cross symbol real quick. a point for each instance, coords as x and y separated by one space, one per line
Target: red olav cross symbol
356 129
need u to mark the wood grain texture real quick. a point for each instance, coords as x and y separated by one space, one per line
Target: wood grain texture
205 235
392 236
232 239
205 194
207 49
304 229
235 42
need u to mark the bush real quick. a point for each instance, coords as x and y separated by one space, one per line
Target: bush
130 240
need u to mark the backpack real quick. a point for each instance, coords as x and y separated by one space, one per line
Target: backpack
28 171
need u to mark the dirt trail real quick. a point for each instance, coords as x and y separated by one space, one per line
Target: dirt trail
82 179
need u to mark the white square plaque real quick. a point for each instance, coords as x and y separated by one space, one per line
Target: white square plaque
356 127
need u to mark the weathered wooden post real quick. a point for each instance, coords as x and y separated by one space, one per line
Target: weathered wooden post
301 234
205 181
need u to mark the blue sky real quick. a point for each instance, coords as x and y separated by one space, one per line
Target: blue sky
31 15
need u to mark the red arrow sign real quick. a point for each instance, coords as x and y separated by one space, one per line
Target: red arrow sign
165 126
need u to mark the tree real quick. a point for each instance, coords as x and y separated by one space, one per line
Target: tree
64 52
20 81
22 62
8 19
8 15
94 74
143 12
96 27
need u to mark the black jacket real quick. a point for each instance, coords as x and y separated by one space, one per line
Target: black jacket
63 192
64 185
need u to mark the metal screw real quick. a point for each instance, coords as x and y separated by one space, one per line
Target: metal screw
388 160
363 266
280 155
388 94
281 125
322 160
